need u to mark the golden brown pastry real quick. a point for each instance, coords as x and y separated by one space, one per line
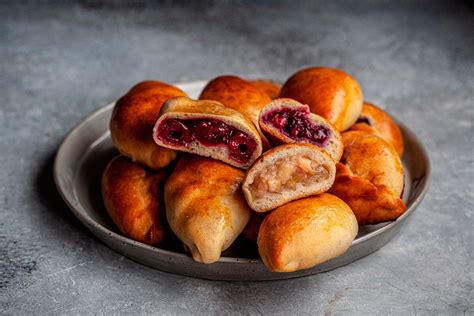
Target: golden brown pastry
205 206
270 88
374 117
209 129
133 118
286 173
133 198
329 92
371 179
240 95
306 232
288 121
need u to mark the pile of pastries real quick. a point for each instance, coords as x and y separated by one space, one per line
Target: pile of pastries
295 169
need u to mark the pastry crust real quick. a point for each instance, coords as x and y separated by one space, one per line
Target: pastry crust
240 95
270 88
205 206
371 179
132 122
183 108
286 173
374 117
133 198
329 92
333 145
306 232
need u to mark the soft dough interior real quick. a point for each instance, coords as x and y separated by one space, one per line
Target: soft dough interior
296 124
288 175
209 133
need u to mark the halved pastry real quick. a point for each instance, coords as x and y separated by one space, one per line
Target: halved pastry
205 206
329 92
133 198
240 95
207 128
307 232
270 88
133 118
371 179
286 173
288 121
374 117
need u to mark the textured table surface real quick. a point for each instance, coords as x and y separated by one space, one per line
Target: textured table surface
59 63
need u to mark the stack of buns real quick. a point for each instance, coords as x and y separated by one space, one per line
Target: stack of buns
295 169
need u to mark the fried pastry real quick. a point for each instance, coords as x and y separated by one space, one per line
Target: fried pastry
374 117
370 180
288 121
133 118
133 198
240 95
329 92
270 88
286 173
205 206
306 232
209 129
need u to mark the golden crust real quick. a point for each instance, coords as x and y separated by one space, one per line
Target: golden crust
371 180
306 232
240 95
132 197
132 122
270 88
183 107
205 205
329 92
334 147
381 122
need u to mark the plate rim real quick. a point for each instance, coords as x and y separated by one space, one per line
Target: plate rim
89 222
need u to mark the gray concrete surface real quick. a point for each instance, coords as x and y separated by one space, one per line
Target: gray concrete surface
60 62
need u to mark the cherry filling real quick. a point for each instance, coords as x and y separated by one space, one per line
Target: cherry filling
207 132
294 123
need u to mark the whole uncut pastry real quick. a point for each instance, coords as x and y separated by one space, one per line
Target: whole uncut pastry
288 121
133 198
371 178
270 88
205 206
329 92
240 95
209 129
286 173
306 232
372 118
133 118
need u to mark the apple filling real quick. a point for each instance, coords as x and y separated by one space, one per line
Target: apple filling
209 133
285 174
295 124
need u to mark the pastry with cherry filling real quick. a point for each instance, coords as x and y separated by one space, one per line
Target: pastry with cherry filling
306 232
370 178
205 206
270 88
209 129
133 118
288 121
373 119
286 173
133 198
329 92
238 94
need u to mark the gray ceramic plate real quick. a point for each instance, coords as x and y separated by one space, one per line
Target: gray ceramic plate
87 149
